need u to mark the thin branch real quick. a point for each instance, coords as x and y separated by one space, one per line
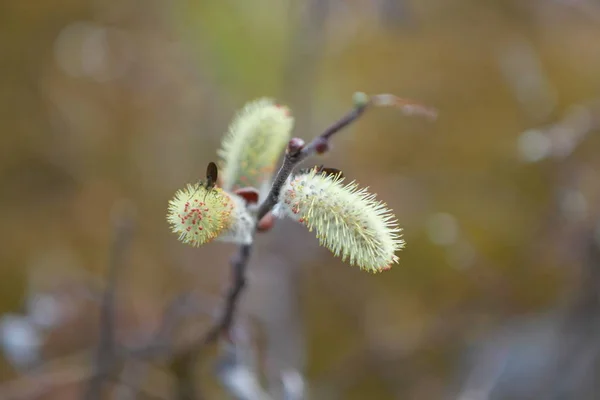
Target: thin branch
106 351
184 362
296 155
57 374
238 266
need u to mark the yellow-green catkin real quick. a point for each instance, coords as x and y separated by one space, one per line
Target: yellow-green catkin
348 220
200 215
255 140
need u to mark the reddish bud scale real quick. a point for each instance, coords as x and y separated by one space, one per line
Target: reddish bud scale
322 146
295 145
257 136
266 223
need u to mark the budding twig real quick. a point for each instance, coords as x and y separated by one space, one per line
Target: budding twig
297 151
184 359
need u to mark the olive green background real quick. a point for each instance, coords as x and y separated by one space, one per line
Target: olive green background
102 101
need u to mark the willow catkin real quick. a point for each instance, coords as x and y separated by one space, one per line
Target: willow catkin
200 215
348 220
254 142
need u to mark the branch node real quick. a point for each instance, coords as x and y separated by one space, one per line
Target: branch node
322 145
295 146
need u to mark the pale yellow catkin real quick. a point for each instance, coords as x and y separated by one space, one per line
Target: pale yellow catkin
200 215
348 220
254 142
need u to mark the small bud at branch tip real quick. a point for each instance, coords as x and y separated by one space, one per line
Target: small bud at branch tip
295 145
360 99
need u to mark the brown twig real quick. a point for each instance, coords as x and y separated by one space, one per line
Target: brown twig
297 152
62 373
184 362
106 354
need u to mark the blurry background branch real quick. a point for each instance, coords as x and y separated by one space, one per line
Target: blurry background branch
106 352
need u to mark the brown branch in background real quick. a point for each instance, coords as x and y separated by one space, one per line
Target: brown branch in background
106 351
60 374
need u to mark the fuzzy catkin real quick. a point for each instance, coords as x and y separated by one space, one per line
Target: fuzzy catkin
348 220
200 215
255 140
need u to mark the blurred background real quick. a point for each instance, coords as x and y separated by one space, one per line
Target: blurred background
496 296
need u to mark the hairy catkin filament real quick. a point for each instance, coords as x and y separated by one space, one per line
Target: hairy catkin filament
348 220
254 142
200 215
